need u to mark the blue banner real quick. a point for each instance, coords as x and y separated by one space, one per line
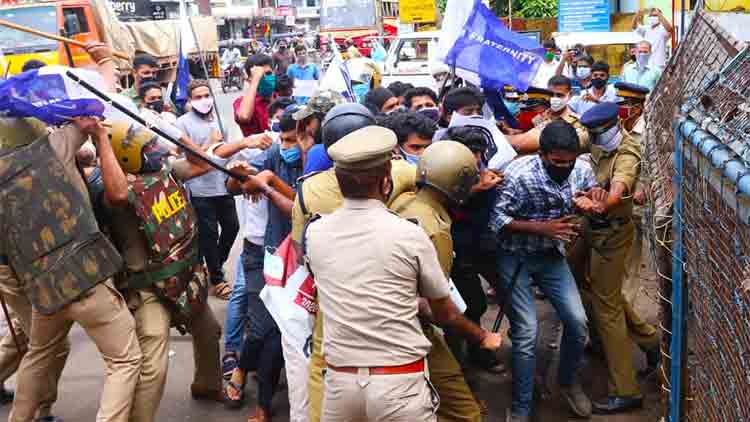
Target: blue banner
179 95
499 56
583 16
48 95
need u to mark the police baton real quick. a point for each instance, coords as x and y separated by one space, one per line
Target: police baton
139 119
505 302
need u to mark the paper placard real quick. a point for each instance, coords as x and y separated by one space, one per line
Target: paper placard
304 88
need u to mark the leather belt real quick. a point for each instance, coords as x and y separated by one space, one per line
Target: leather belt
409 368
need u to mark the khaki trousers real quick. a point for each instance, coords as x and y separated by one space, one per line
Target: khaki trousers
457 403
603 291
19 308
378 398
152 324
104 316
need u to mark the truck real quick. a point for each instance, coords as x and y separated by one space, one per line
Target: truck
358 20
93 20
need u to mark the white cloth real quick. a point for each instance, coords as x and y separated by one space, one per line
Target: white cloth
296 379
657 37
253 216
580 106
547 71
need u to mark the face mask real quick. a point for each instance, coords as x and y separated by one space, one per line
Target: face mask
556 104
410 158
583 72
642 59
157 106
275 126
598 83
290 155
203 106
558 174
153 154
549 56
513 107
360 90
397 109
267 85
653 20
609 140
432 113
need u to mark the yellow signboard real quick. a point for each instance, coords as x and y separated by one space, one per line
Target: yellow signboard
418 11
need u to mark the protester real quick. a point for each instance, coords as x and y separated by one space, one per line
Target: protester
643 73
583 73
466 101
381 101
531 242
548 67
145 69
657 31
600 90
414 133
310 130
275 110
281 59
399 89
422 100
303 71
213 204
630 58
251 110
284 87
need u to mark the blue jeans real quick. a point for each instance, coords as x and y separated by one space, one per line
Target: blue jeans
552 275
234 324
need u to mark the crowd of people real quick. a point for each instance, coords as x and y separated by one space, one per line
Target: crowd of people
400 215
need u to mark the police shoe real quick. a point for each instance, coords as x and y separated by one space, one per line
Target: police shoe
577 400
614 405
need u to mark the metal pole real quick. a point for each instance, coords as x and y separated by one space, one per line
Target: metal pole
682 18
68 53
156 130
208 77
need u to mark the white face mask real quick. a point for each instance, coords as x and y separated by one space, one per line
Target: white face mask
204 105
653 20
609 140
642 59
556 104
583 72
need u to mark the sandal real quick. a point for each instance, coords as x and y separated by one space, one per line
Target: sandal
223 290
231 403
260 415
228 363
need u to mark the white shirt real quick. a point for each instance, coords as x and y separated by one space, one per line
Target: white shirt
253 216
657 37
580 106
546 71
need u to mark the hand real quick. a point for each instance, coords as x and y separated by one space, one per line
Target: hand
100 53
492 341
589 97
569 56
257 73
216 136
241 168
91 126
639 197
583 203
564 228
258 183
598 194
259 141
487 180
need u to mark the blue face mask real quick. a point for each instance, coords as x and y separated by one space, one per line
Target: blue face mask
267 85
290 155
513 107
410 158
275 126
432 113
360 90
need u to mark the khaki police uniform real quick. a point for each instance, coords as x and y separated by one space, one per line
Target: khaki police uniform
321 195
373 346
457 401
102 313
568 116
153 319
610 241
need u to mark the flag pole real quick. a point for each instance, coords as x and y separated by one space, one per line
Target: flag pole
107 99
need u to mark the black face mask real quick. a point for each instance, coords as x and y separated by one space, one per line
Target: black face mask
157 106
598 83
556 173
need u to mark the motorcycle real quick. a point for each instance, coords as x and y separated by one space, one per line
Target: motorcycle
231 77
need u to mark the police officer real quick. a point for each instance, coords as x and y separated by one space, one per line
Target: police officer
404 264
319 193
616 157
153 225
446 172
51 209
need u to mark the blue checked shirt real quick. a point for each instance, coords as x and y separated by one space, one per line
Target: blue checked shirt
528 194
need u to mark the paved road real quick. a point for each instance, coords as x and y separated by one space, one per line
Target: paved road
81 383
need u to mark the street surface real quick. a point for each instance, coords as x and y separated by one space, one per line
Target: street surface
81 383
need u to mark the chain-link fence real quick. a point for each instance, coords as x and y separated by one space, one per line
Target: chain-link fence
702 255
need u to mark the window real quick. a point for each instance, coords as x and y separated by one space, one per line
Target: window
75 21
413 50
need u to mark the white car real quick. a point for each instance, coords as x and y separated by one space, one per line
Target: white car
409 58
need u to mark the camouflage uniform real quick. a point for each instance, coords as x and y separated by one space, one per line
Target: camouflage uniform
48 220
164 283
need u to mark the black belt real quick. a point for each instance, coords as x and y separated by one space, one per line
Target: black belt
598 223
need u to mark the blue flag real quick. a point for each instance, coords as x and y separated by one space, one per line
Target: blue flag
50 96
179 95
499 56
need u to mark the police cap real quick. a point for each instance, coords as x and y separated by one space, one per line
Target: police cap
536 96
602 115
631 91
364 148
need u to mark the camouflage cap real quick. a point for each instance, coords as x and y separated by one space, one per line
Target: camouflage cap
322 103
